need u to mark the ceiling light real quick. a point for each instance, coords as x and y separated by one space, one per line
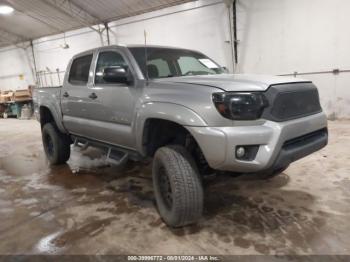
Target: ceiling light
6 9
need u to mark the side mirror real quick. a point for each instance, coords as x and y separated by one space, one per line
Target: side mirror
116 74
226 71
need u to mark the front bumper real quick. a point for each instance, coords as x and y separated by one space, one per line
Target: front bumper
218 143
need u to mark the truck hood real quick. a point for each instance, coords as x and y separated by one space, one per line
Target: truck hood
234 82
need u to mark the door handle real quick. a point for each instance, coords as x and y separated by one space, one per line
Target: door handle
93 96
65 94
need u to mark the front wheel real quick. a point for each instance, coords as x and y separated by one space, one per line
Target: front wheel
56 144
177 186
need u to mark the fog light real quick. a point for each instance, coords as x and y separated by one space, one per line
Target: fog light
240 152
246 152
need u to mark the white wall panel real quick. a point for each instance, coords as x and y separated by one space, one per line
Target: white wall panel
205 29
50 54
14 62
284 36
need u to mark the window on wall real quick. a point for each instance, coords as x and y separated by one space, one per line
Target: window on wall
79 71
107 59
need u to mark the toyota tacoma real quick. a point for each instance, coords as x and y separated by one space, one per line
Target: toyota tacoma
184 111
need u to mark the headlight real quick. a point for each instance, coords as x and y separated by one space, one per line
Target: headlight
240 106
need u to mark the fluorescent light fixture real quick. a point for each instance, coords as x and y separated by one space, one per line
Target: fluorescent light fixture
6 10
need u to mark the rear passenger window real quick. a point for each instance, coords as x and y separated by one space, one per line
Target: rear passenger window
79 71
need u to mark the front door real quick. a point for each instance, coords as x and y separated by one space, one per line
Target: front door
112 105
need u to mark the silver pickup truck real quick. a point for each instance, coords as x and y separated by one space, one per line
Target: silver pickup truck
182 109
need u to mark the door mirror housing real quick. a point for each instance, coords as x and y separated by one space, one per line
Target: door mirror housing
225 70
116 74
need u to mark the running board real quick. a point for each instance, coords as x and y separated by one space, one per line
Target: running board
115 155
117 158
79 143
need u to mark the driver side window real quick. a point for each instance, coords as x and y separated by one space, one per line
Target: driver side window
107 59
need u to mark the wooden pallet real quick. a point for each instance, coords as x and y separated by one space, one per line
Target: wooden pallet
6 96
16 96
22 95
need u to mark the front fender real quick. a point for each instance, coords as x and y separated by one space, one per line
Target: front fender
167 111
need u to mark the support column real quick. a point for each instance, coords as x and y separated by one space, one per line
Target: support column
107 32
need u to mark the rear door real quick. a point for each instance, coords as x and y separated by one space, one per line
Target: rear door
75 94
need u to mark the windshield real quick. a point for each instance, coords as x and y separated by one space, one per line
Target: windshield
168 62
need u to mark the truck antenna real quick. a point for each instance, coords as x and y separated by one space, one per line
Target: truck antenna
146 55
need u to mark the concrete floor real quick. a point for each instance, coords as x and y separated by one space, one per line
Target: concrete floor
86 207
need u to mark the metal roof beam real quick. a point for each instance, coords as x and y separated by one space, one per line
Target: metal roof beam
20 7
76 12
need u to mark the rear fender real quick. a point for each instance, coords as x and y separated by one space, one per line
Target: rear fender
49 99
56 117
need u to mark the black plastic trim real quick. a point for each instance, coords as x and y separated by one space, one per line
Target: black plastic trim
299 147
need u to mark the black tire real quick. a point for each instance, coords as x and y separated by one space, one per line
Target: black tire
271 173
177 186
56 144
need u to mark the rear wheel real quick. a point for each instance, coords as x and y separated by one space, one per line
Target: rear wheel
177 186
56 144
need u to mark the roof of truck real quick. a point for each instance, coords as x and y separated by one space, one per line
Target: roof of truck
125 46
153 46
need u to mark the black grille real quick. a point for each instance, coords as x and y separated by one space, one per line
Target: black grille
291 101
